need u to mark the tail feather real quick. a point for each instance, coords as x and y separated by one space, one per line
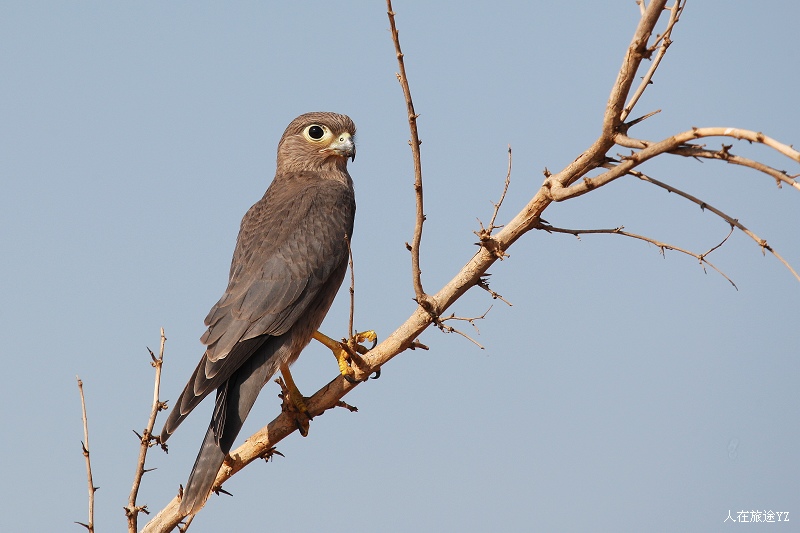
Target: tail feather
193 394
235 398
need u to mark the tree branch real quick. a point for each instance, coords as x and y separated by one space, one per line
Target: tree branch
723 154
485 234
146 439
664 39
85 448
701 258
559 193
727 218
421 297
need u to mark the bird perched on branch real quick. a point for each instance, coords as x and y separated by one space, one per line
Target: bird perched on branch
290 259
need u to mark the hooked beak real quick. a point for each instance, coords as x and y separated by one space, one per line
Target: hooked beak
343 146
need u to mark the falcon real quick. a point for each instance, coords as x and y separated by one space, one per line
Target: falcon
290 259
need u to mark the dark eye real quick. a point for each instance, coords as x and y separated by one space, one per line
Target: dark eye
316 132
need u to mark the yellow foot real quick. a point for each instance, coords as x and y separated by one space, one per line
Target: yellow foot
293 401
347 353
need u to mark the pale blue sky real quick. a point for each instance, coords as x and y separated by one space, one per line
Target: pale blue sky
622 391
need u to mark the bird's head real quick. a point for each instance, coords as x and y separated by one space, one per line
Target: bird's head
316 141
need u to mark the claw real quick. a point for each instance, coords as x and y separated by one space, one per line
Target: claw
346 352
294 401
368 335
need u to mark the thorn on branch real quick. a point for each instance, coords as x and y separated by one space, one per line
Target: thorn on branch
730 220
269 453
416 344
220 490
490 244
627 125
483 283
351 408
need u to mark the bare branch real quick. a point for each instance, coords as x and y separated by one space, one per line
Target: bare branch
85 448
595 155
483 283
352 288
727 218
723 154
485 233
701 258
449 329
664 39
637 51
560 193
502 196
147 439
421 297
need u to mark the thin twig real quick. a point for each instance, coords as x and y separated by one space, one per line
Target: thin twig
85 447
664 39
701 258
352 288
146 439
450 329
502 196
421 297
483 283
471 320
762 243
485 233
719 245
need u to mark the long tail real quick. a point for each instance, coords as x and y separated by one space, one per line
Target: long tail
201 385
235 398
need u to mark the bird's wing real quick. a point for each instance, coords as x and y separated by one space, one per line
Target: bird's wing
289 243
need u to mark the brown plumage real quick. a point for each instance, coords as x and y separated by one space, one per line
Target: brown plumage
290 259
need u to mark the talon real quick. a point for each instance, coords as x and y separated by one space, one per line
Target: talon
294 401
368 335
377 374
346 352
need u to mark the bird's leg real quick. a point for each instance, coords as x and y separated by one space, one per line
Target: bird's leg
347 354
295 400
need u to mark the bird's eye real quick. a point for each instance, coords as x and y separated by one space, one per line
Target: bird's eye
316 132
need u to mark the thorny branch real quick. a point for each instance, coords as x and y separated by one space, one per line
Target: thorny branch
723 154
734 223
558 192
483 283
449 329
557 187
85 447
663 41
485 233
146 439
352 288
662 246
421 297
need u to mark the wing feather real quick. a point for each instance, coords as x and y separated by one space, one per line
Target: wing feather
290 242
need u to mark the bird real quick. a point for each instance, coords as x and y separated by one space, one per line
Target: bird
290 259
